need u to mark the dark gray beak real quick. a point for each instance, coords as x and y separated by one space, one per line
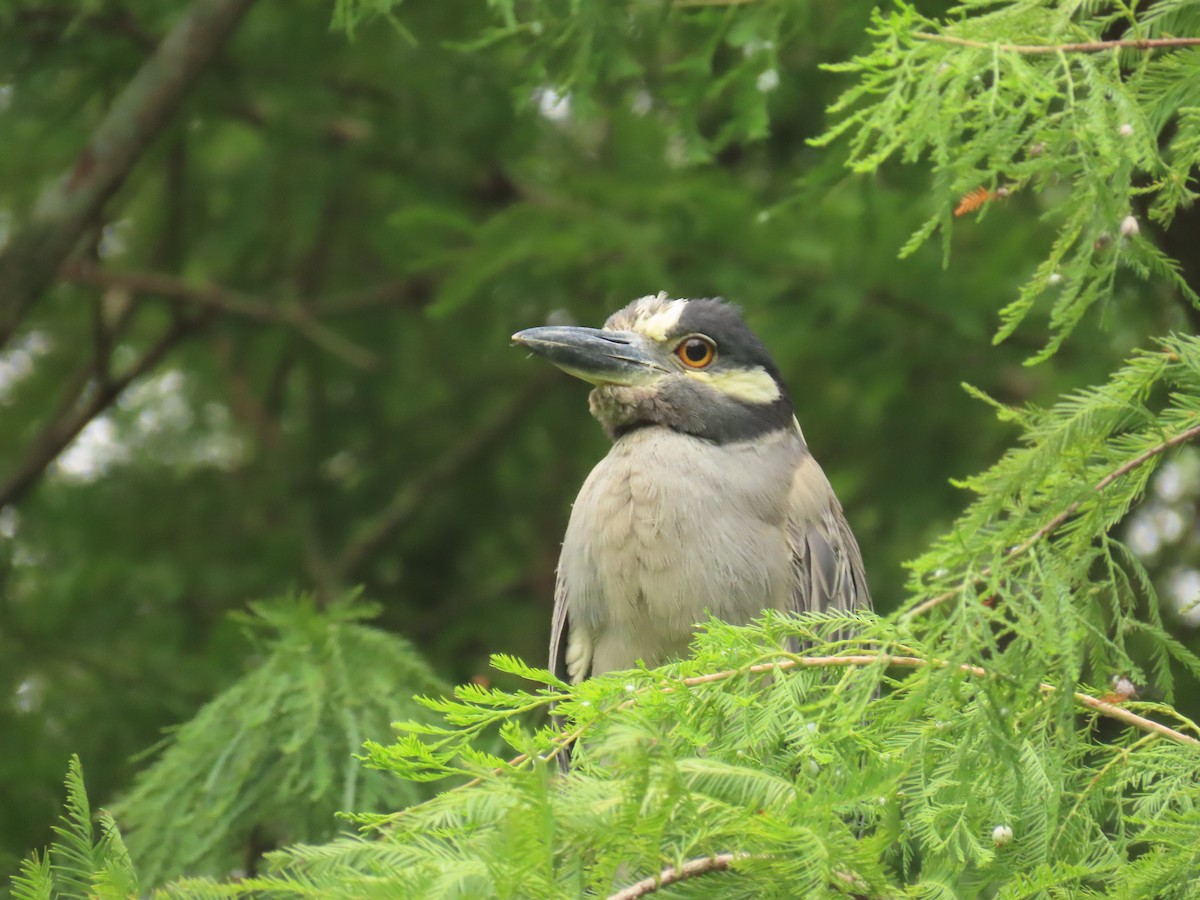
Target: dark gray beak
596 356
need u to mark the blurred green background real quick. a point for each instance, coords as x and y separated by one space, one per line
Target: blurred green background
403 198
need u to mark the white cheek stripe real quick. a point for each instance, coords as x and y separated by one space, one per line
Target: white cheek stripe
747 385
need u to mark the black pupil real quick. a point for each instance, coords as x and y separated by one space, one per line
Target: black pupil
695 350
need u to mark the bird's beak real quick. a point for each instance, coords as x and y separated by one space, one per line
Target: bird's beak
596 356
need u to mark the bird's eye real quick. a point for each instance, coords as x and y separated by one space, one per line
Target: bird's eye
696 352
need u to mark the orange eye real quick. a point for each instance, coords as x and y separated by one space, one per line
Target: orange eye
696 352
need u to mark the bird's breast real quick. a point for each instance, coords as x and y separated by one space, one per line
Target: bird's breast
669 528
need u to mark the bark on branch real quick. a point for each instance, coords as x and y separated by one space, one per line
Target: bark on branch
222 300
668 876
1103 707
419 487
1085 47
64 427
35 253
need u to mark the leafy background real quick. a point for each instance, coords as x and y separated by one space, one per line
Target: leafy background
359 216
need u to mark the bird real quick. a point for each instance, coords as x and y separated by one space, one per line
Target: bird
708 503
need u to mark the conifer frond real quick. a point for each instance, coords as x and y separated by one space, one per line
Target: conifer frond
274 756
75 857
78 865
983 110
33 881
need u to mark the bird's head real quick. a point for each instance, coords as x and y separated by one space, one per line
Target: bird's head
689 365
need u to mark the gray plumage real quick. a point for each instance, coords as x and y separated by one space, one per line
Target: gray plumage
709 501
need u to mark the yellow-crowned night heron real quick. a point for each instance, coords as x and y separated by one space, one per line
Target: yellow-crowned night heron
709 501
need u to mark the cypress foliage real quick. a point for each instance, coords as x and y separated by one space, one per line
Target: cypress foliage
80 863
1039 98
273 756
988 739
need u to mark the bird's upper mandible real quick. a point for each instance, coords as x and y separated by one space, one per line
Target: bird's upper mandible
708 503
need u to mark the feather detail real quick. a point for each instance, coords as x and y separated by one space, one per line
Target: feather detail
826 561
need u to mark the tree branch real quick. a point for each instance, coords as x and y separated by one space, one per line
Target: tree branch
419 488
690 4
225 301
168 250
1111 710
1072 508
404 292
53 19
246 407
61 429
670 875
563 741
1087 47
34 254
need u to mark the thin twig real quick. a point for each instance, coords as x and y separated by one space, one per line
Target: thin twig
419 487
1124 469
1130 718
1087 47
408 293
1110 710
317 561
64 426
49 22
246 406
1122 755
563 741
668 876
310 272
223 300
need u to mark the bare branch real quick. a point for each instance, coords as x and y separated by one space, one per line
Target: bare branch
65 425
406 292
46 22
671 874
317 562
1111 710
168 251
1088 47
34 254
1072 508
421 487
243 402
564 740
225 301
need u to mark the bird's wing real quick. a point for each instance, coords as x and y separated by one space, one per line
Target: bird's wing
558 630
827 565
559 638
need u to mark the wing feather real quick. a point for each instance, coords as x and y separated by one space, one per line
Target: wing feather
558 631
827 564
559 639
